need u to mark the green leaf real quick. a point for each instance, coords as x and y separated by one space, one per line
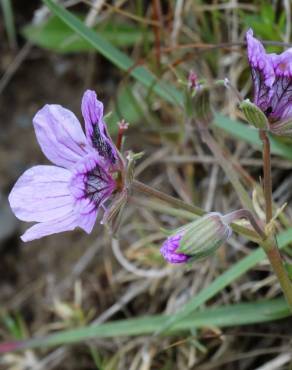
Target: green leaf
226 316
250 135
117 57
56 35
127 107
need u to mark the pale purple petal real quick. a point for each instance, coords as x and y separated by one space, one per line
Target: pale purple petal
259 59
87 220
282 63
272 80
169 247
92 111
281 102
42 194
96 132
262 70
60 135
37 231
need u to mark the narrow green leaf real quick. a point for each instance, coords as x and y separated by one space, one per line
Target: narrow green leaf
54 34
250 135
117 57
226 316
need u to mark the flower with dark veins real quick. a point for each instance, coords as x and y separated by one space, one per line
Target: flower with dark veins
272 80
71 193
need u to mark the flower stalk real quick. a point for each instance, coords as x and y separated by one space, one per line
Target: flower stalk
270 247
142 188
267 175
245 213
254 235
269 244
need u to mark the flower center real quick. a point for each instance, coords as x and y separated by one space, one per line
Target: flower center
99 185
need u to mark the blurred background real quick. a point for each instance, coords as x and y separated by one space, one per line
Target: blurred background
72 279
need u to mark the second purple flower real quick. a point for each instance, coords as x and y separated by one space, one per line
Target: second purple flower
272 80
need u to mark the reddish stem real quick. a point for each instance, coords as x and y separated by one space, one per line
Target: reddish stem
123 126
267 175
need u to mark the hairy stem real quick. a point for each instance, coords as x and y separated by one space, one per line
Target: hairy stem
139 186
270 247
267 175
142 188
245 213
269 244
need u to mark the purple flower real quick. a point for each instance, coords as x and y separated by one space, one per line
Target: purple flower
272 80
169 247
70 194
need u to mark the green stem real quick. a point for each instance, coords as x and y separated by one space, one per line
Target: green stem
245 213
139 186
269 245
142 188
267 175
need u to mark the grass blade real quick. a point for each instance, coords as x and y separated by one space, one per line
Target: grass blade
227 316
9 22
117 57
250 135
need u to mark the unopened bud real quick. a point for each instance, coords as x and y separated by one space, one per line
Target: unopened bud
254 115
197 240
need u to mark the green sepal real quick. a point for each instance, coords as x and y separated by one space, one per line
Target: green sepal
204 236
254 115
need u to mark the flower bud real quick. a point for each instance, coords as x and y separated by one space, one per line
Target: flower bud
197 240
192 80
254 115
